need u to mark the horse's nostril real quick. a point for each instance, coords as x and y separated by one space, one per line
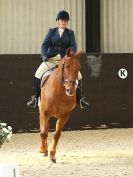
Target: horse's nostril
68 90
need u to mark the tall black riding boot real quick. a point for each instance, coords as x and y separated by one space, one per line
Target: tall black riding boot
81 100
36 92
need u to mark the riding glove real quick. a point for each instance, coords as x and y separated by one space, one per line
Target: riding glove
45 58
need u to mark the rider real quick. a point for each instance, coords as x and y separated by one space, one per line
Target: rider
54 48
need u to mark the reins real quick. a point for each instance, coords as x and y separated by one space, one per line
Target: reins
49 66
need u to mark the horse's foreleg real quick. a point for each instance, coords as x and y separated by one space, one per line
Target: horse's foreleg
59 125
44 126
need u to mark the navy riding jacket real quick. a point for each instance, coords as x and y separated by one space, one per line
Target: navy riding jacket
53 44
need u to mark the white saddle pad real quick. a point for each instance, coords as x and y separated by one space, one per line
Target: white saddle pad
45 76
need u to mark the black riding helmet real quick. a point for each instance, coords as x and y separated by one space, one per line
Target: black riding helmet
62 15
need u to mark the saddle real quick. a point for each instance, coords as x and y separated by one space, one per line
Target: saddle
45 76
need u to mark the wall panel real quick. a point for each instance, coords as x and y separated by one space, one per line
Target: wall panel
109 103
116 26
24 23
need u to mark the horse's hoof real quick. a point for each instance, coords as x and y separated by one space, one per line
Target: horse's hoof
43 151
45 154
53 160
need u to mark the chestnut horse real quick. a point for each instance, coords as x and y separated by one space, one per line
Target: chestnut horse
58 99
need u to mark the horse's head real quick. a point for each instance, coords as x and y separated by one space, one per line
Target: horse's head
70 69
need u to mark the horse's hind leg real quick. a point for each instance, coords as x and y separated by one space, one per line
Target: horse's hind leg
44 126
59 125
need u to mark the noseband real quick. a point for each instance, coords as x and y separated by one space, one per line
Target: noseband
71 81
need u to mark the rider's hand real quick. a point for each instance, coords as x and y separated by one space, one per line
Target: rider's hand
44 58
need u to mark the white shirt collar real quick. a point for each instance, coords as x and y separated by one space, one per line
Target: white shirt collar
61 31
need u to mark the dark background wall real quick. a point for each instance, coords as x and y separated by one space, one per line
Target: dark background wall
92 10
111 98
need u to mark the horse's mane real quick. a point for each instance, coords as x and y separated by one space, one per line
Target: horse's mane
60 66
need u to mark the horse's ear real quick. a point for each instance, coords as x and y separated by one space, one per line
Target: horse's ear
78 54
68 52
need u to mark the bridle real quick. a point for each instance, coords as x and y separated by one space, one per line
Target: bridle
63 79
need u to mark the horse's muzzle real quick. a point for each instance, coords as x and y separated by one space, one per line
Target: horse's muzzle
70 87
70 91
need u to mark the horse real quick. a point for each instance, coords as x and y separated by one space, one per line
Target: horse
58 99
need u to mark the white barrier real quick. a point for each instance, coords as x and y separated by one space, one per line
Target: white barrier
9 170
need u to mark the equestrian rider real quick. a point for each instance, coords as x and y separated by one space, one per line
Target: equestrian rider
53 48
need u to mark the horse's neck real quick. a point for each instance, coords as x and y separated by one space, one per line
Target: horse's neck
59 70
58 73
55 79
